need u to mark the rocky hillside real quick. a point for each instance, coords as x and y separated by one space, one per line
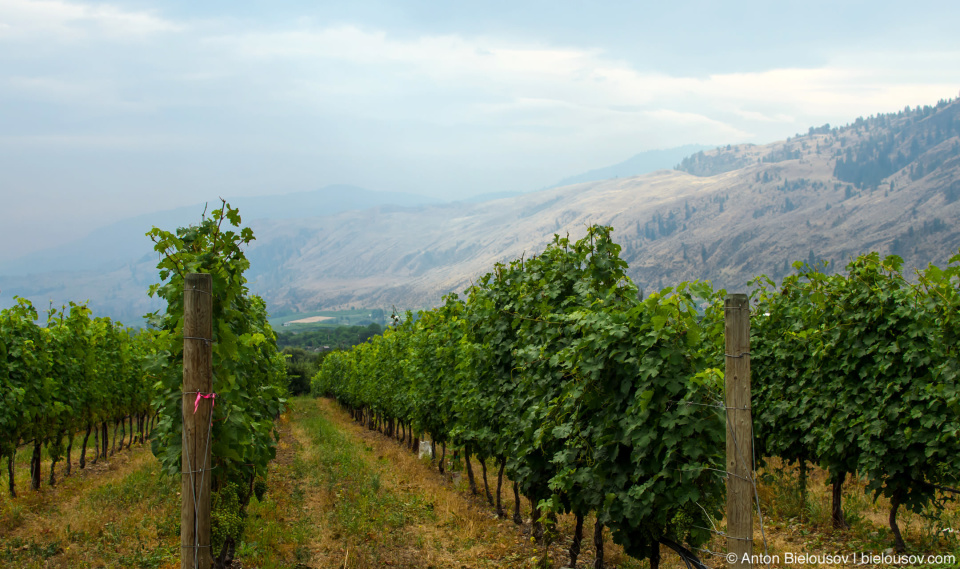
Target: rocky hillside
889 183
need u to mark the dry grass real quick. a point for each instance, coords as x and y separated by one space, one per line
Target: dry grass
117 513
792 526
22 467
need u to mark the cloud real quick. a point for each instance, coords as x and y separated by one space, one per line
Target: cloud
717 129
446 54
479 77
756 116
448 79
70 21
843 87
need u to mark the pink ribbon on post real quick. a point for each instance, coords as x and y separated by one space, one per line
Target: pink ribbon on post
211 396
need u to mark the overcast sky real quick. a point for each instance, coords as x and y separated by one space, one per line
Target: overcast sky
110 109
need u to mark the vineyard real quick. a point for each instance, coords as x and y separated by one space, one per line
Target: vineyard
597 401
553 381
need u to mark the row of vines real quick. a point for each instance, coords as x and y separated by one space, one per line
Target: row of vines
858 373
595 400
78 373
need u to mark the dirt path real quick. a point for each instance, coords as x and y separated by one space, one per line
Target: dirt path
361 500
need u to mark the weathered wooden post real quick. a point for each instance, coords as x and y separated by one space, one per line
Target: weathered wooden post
739 431
197 382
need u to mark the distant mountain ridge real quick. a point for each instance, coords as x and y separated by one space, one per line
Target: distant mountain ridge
643 163
889 183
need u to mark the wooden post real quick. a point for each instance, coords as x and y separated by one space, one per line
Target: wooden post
739 431
197 378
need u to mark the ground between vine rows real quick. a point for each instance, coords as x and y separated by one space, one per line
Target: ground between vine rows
343 496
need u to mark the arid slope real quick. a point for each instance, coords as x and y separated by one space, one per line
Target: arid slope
726 215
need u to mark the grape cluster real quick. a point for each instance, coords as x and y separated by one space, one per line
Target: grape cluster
225 518
259 488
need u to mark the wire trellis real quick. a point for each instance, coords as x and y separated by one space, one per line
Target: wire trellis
192 475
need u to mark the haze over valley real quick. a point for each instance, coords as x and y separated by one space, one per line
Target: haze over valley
888 183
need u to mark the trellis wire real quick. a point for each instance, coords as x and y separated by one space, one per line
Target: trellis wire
193 488
726 473
739 457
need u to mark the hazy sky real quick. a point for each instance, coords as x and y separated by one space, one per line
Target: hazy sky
109 109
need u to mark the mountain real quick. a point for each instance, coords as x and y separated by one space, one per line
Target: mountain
887 183
642 163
